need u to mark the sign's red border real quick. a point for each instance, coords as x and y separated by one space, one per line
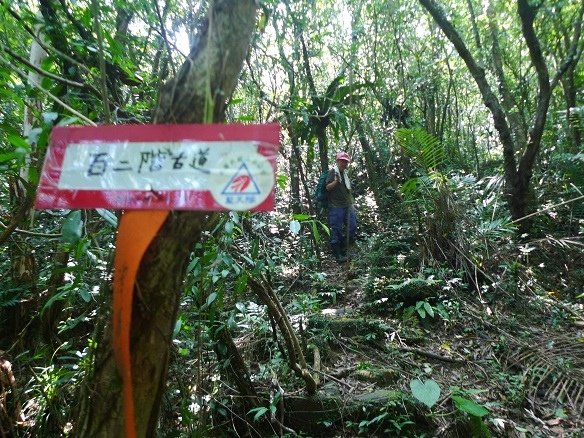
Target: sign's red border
49 196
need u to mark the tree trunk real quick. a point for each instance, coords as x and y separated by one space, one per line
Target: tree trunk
518 173
372 165
294 166
322 146
199 93
572 117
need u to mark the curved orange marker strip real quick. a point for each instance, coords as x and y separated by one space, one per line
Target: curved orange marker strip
136 231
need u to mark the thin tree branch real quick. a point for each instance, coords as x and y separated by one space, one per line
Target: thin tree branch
163 32
478 73
527 13
29 233
103 78
87 36
48 74
569 201
45 46
51 96
574 53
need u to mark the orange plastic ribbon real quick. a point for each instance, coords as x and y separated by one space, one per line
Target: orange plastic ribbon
136 231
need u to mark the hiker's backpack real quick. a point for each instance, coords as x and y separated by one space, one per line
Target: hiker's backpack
320 198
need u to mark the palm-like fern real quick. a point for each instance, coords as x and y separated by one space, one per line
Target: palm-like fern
553 368
423 147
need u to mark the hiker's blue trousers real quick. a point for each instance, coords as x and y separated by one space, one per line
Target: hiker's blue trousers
339 219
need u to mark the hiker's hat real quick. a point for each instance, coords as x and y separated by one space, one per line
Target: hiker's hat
343 156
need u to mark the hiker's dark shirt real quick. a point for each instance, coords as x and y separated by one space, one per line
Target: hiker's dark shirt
339 196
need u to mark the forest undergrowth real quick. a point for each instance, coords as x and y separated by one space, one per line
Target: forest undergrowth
403 343
410 337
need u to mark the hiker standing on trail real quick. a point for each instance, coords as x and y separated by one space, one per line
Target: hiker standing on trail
341 215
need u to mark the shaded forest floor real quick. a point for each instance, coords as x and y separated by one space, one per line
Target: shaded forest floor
511 365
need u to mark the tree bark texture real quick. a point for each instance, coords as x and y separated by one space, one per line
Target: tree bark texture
372 165
199 93
518 169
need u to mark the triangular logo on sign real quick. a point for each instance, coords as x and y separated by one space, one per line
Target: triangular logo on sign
242 182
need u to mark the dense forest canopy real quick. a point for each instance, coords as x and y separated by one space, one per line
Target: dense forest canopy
460 310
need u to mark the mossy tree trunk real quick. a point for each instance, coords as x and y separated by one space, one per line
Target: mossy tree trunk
199 93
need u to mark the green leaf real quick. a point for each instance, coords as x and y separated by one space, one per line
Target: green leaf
211 298
85 295
315 232
8 157
282 180
177 327
231 324
241 307
262 22
19 143
294 227
301 216
61 295
469 406
259 412
245 118
229 227
427 392
72 228
478 428
429 309
241 284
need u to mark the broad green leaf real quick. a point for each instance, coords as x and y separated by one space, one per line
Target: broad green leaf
241 307
259 412
8 157
177 327
211 298
85 295
72 228
241 284
301 216
427 392
429 309
469 406
315 231
231 324
61 295
19 143
281 180
294 227
245 118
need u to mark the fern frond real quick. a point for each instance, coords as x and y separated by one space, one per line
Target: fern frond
553 369
8 298
423 147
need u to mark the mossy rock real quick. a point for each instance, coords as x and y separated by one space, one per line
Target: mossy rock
327 415
387 293
320 415
379 376
349 327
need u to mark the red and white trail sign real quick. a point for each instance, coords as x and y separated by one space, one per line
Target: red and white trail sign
170 167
